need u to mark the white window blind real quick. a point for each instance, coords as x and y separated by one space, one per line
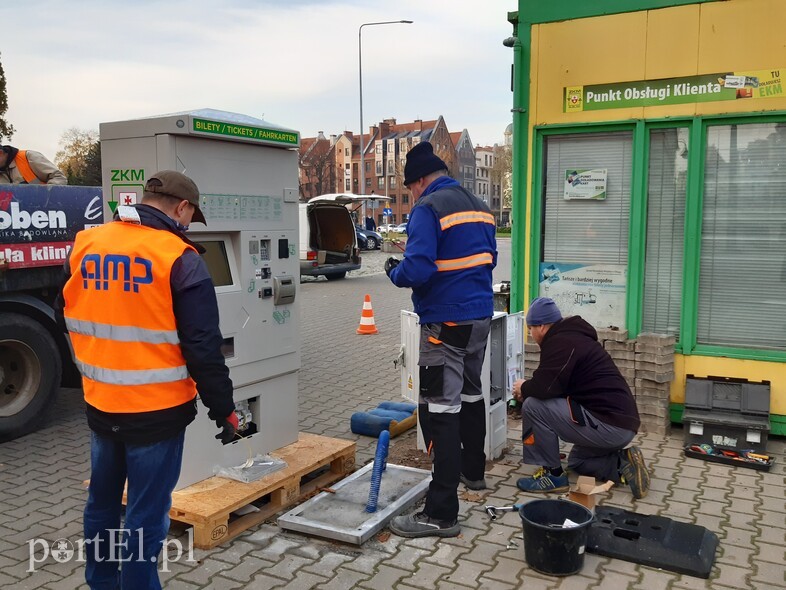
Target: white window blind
667 186
587 231
742 281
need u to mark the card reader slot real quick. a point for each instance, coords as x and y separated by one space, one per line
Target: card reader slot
283 290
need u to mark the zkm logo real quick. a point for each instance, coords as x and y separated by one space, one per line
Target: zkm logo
114 268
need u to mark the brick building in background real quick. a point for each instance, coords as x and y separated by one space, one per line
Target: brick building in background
465 159
487 187
332 164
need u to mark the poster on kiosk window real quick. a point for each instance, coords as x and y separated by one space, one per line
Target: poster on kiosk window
586 184
596 292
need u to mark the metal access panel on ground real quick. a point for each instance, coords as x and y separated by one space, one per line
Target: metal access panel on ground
342 515
247 173
502 366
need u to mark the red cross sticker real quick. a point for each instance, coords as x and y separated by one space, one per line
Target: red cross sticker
127 198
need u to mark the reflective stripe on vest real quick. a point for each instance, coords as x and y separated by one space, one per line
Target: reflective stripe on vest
466 217
466 262
24 168
119 312
122 377
122 333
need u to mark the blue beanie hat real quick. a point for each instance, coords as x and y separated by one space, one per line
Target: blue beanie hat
543 311
421 161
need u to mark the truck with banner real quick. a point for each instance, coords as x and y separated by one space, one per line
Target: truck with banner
38 224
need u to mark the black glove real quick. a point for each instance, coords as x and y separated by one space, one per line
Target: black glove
390 264
229 425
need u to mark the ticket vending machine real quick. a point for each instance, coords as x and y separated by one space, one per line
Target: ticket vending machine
247 173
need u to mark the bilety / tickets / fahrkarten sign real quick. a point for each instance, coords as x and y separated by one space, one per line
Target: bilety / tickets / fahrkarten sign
670 91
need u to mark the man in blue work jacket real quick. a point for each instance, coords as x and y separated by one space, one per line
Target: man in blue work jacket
451 252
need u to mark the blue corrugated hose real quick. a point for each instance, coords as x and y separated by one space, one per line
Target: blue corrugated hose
380 460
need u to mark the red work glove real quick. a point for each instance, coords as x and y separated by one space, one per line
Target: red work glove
229 425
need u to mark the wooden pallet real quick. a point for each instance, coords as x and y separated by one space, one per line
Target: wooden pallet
207 505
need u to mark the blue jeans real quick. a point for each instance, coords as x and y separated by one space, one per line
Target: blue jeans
152 471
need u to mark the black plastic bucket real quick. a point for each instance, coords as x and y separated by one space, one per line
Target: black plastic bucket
548 547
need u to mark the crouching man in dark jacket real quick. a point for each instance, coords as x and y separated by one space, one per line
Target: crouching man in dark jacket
576 394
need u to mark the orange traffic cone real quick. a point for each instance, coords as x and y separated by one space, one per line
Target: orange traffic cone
367 325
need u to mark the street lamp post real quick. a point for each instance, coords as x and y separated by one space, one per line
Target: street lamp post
360 80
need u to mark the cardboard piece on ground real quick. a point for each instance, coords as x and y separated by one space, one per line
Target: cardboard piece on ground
585 490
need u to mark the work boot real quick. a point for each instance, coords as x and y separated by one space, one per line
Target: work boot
421 524
542 481
633 471
473 484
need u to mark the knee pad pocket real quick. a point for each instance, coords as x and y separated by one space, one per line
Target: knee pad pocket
432 379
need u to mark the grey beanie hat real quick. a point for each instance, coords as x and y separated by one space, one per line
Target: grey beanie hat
543 311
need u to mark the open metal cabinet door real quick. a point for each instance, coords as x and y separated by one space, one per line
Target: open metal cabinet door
408 362
502 365
515 334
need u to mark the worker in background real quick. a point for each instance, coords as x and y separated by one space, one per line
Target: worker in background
27 167
371 225
451 252
576 394
142 314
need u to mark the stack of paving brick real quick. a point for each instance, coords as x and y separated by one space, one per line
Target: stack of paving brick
622 352
654 374
531 358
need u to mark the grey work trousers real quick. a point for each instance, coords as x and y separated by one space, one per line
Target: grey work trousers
451 409
596 445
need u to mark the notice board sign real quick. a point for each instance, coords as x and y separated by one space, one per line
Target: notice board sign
586 184
596 292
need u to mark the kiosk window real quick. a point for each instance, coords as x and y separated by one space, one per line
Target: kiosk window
586 212
587 231
742 276
217 262
667 188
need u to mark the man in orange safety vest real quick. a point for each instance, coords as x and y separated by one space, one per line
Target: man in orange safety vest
27 167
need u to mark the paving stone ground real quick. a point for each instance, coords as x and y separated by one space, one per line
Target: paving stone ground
42 494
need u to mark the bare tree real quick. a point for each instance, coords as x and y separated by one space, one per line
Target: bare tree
76 145
502 173
91 175
317 164
448 155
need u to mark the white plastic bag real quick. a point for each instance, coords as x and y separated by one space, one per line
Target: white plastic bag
251 470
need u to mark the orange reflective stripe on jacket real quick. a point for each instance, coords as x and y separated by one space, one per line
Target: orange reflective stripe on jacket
466 217
24 168
466 262
118 309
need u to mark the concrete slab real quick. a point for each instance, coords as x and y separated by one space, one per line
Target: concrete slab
342 515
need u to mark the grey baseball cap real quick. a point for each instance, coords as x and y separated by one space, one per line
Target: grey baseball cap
178 185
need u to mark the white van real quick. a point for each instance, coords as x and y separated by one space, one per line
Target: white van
328 243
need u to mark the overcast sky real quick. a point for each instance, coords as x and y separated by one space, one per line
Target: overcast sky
293 63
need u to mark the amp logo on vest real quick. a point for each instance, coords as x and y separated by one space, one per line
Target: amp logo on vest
114 268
